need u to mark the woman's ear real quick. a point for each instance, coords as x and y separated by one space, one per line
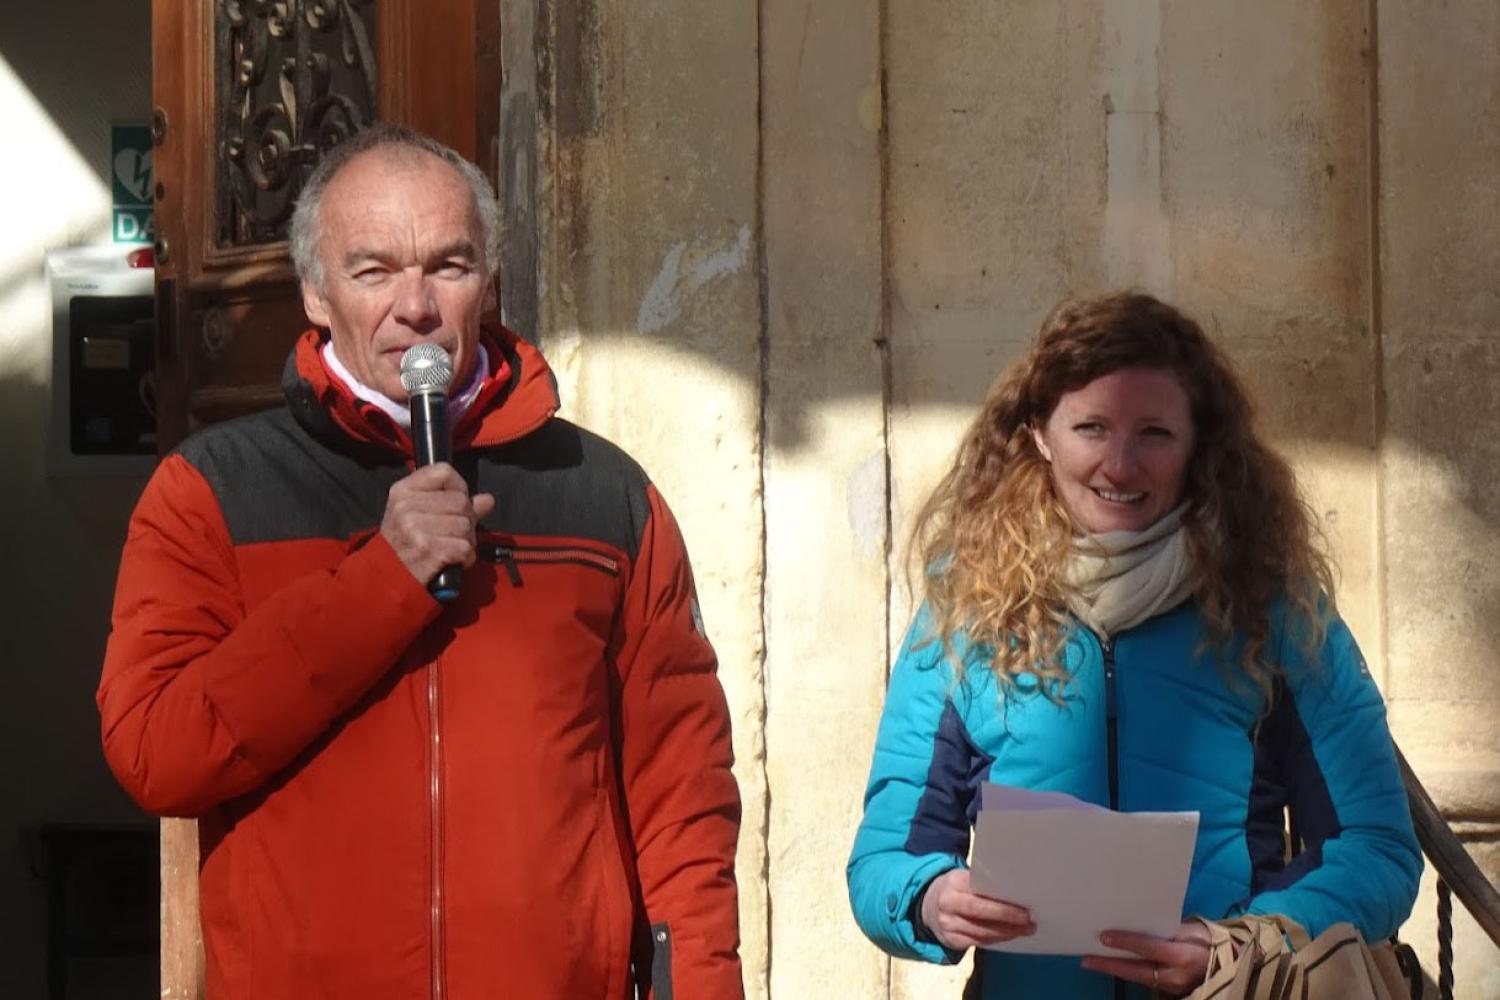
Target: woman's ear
1041 444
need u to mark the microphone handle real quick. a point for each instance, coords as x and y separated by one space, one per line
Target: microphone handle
431 443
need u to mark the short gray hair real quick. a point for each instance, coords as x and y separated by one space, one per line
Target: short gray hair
307 221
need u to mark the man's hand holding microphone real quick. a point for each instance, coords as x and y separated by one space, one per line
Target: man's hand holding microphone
430 517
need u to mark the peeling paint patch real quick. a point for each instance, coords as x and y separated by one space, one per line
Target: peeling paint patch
683 272
865 493
660 305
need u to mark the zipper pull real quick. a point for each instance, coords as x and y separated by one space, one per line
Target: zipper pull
1107 647
505 557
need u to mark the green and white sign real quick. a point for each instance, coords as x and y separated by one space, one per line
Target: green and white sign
130 168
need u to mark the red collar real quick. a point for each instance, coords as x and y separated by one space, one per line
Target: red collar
516 398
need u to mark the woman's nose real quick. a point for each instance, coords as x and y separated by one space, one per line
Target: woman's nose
1120 460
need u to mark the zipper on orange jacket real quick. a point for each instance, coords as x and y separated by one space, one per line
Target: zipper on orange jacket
509 557
435 793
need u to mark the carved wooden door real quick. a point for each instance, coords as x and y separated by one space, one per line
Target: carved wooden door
248 93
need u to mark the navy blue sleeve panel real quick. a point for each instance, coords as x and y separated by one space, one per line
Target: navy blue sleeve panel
916 822
1286 776
1337 771
950 803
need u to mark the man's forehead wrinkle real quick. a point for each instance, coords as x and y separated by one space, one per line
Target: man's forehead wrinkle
360 253
355 194
426 236
459 246
365 221
463 246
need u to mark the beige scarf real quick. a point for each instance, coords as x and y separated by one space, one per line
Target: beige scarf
1118 579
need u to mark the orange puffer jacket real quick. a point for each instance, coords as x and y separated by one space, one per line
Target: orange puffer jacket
526 793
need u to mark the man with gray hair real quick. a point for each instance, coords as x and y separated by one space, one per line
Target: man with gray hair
525 792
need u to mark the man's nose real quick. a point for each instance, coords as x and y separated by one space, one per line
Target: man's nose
415 304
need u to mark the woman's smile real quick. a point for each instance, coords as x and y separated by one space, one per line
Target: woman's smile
1118 449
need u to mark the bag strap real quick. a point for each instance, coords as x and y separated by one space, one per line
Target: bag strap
1294 932
1221 947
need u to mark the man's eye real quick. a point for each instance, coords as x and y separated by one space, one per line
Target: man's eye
454 268
369 275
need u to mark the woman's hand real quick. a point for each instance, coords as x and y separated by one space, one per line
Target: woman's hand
962 919
1174 965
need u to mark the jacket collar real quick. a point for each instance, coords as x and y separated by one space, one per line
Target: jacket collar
517 398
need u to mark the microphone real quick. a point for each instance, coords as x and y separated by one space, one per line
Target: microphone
426 374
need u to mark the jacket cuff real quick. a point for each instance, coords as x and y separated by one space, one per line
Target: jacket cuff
903 923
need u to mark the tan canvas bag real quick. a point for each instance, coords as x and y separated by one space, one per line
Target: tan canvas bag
1272 958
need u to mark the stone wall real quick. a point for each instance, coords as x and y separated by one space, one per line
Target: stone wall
779 249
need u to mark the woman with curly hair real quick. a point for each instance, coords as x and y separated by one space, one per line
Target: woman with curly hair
1125 600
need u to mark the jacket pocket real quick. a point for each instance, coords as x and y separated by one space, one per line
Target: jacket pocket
510 558
661 962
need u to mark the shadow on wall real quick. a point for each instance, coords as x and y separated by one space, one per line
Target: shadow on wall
24 271
63 541
1296 370
46 50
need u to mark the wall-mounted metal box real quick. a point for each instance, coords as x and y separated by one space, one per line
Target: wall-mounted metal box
101 419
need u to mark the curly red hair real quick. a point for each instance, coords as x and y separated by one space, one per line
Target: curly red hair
991 541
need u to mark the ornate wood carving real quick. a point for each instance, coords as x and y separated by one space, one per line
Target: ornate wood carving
291 79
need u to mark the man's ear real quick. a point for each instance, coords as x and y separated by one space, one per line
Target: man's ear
492 294
314 304
1041 445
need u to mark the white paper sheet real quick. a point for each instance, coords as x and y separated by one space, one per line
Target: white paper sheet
1080 869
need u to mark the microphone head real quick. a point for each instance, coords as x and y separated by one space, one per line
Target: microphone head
426 368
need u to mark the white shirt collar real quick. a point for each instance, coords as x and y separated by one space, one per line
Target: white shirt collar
458 403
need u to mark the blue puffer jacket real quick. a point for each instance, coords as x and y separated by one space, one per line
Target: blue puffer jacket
1186 739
